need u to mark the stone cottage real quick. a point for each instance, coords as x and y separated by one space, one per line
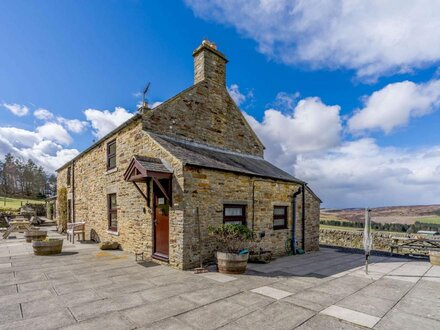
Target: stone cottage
191 162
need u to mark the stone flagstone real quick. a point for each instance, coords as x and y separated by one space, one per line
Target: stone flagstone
351 316
272 292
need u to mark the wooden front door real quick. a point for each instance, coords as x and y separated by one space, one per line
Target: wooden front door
161 224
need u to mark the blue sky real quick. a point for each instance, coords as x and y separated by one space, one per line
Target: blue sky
354 95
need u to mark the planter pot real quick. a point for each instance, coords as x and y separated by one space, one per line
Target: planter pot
35 235
47 247
434 258
232 263
260 257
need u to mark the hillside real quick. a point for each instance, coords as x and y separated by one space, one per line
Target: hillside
392 214
8 204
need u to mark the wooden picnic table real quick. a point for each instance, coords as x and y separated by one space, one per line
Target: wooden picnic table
420 243
19 225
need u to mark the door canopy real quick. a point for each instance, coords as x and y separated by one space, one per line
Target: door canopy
141 168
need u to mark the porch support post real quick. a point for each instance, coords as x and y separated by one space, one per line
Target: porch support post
162 189
141 192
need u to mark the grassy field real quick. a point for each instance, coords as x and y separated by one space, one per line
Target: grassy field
433 219
15 203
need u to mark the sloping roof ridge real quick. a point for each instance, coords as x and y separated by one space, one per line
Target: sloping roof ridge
205 146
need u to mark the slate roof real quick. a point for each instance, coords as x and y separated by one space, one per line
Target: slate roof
204 156
152 164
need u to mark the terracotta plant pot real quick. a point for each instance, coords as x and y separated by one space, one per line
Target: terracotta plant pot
434 258
47 247
35 235
232 263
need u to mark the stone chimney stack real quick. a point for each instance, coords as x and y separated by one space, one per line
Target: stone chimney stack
209 64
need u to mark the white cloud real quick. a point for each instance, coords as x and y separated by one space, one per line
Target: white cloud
54 132
238 97
308 127
18 137
105 121
395 104
371 37
73 125
360 173
155 104
28 144
43 114
17 109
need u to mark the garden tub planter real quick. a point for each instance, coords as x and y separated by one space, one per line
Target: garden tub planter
434 258
47 247
35 235
232 263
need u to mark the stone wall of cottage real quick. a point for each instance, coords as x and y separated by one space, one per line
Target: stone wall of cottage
93 183
209 190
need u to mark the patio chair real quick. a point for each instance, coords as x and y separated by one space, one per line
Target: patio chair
76 228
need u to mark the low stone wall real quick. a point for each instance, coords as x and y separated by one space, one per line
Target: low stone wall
354 239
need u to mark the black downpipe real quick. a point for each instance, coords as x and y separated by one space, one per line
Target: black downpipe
294 195
303 217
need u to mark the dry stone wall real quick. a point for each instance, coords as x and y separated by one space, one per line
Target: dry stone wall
354 239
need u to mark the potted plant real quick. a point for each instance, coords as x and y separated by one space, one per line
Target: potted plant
47 246
233 241
434 258
35 235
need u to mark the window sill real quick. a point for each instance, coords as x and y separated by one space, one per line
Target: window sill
280 228
112 232
113 170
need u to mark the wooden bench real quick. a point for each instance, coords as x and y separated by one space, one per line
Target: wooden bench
19 225
76 228
421 244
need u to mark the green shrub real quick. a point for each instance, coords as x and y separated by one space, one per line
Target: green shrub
231 238
62 209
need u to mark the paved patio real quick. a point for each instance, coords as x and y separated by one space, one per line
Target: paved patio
86 288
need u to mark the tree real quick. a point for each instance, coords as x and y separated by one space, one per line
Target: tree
19 178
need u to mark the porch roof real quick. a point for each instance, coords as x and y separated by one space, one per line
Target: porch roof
142 167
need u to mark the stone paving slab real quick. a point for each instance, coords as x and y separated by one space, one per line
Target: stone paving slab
272 292
87 288
278 315
351 316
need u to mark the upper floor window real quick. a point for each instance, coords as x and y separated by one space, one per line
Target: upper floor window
234 214
112 212
279 217
111 155
69 175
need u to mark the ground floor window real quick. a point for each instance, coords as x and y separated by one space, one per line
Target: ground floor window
279 217
234 214
112 212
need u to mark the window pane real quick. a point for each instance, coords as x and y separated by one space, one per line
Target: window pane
112 162
113 220
279 211
112 148
113 201
233 211
279 222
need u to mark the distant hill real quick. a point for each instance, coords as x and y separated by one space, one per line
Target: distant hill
391 214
